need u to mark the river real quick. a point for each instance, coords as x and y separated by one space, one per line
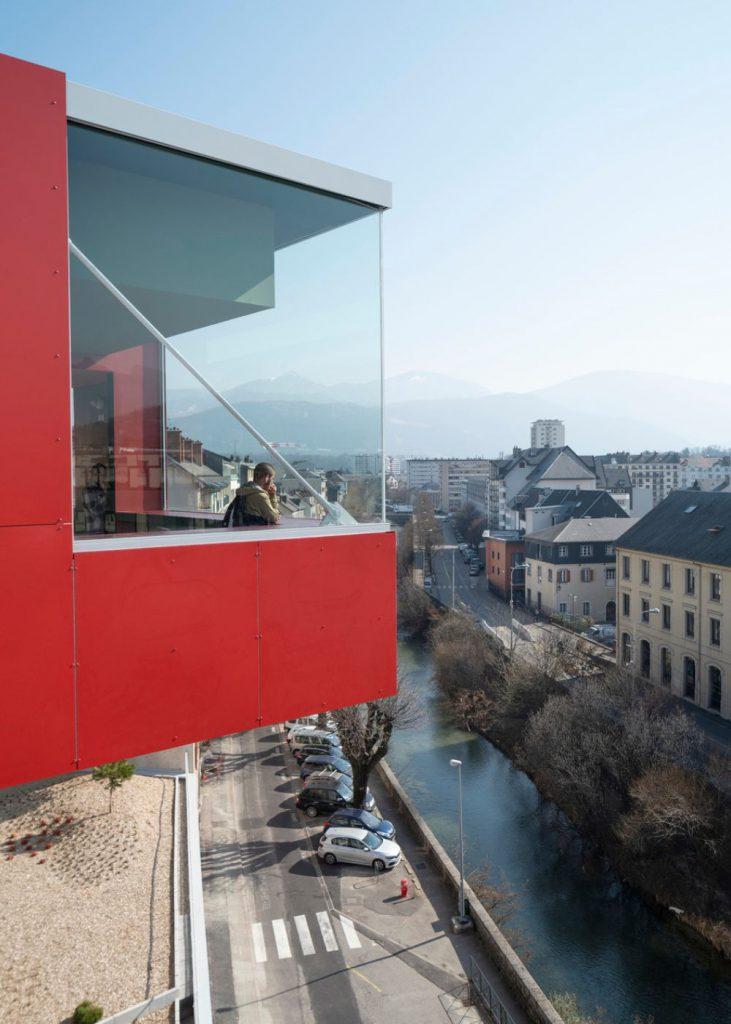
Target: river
586 933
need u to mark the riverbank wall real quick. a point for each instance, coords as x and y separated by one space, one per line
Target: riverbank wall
516 975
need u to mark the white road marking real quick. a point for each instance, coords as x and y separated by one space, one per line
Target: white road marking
351 935
260 950
280 937
303 931
328 935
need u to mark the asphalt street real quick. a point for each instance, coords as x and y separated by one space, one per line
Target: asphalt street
286 934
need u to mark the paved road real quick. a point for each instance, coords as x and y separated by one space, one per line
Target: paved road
291 939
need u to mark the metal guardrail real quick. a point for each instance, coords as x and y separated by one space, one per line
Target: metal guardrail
483 993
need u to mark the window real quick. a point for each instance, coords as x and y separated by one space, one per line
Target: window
626 648
587 550
690 581
610 574
195 246
529 569
587 575
562 608
645 567
714 688
666 666
666 577
586 609
645 659
715 633
563 551
666 611
625 604
689 678
690 625
715 586
610 550
625 567
550 575
563 576
539 573
645 612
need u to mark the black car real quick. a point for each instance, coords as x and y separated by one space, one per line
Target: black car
316 763
321 799
356 817
340 783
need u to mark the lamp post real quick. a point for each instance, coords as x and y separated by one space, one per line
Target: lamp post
520 565
461 922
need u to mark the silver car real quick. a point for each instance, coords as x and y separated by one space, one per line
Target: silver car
358 846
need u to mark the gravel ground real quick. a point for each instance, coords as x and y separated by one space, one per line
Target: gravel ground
85 903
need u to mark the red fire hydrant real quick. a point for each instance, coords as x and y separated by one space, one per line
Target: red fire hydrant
404 888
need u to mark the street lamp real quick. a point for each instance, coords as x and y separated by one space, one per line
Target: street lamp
520 565
461 922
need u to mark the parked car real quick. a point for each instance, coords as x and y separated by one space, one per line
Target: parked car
604 632
322 799
358 846
324 762
356 817
307 721
314 738
298 730
474 570
427 583
336 781
313 749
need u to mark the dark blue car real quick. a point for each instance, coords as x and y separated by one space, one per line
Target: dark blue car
356 817
316 762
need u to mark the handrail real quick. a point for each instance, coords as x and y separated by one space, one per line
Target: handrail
333 510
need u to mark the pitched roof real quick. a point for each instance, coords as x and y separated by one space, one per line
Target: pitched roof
690 524
583 530
561 464
583 504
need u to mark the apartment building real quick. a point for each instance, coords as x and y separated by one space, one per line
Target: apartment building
571 568
367 465
674 598
449 475
513 481
547 434
663 472
124 227
504 552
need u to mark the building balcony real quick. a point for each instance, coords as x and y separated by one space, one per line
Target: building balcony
225 312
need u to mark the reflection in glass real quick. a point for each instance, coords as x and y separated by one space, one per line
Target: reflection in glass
270 291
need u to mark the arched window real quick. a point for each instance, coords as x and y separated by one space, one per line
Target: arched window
666 666
689 678
626 648
714 688
645 659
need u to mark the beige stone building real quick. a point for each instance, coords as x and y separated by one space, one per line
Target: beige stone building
674 598
570 568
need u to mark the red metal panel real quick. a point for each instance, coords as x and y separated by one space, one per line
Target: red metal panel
36 653
34 383
167 647
328 614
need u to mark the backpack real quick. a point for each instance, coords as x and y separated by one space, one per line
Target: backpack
236 515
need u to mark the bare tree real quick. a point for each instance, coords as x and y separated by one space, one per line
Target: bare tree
670 805
365 732
465 656
416 613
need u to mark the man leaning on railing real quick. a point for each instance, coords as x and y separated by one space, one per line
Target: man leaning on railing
255 503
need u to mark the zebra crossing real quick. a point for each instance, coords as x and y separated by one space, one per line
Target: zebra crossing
283 939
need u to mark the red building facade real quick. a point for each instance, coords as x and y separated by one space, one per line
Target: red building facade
131 622
504 551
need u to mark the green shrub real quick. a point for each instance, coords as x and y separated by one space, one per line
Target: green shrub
87 1013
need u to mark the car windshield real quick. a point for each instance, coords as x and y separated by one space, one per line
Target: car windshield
342 765
345 793
369 820
372 841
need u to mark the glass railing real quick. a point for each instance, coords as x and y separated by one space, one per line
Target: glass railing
220 322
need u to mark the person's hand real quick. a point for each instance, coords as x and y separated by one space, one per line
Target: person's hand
272 489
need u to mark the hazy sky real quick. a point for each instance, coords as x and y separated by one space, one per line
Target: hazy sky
562 170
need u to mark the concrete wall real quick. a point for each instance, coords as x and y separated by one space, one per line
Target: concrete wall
522 984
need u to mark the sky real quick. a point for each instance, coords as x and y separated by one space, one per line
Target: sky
561 170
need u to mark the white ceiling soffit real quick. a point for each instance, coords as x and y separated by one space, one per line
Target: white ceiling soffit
104 110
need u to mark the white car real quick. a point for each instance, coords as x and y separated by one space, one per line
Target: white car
358 846
308 723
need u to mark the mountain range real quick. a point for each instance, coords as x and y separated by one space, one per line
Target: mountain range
431 414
